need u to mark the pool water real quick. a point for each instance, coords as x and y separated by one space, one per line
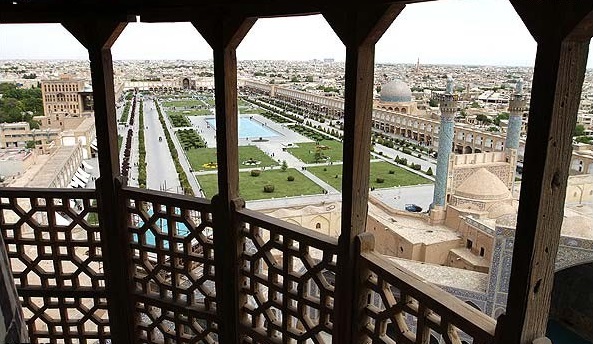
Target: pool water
249 128
163 224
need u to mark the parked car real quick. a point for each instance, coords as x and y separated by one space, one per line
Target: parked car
413 208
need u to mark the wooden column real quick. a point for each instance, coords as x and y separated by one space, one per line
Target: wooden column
557 82
97 36
359 29
223 34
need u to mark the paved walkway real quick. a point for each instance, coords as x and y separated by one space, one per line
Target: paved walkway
425 162
272 147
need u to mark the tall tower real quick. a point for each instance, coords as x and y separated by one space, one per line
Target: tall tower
448 106
517 106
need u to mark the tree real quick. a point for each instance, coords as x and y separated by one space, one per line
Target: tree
433 103
319 155
284 166
579 130
584 139
501 116
483 118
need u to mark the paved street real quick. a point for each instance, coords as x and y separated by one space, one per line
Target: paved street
161 174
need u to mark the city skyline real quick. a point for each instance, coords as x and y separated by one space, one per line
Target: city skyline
456 32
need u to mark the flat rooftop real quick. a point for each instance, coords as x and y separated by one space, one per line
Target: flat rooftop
578 221
444 275
14 155
414 229
54 165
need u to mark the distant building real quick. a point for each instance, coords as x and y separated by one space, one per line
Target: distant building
18 135
65 97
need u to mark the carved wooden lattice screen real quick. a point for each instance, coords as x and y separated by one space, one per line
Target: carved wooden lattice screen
287 281
403 309
173 257
54 246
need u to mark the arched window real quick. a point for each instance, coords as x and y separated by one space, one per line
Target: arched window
318 225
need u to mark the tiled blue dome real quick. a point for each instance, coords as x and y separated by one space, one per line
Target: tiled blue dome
396 91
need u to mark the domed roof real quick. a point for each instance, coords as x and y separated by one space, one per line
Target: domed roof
501 210
396 91
483 185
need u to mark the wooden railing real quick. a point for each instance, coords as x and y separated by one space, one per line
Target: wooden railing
55 247
287 281
401 308
172 253
286 276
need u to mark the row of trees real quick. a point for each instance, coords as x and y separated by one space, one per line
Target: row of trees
141 149
20 104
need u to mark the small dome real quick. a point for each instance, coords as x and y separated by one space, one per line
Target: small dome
483 185
396 91
501 210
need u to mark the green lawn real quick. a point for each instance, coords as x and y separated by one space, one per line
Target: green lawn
306 151
250 109
207 100
182 103
191 112
241 102
252 188
198 157
400 177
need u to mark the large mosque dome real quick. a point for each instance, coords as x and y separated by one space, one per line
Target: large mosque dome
483 185
396 91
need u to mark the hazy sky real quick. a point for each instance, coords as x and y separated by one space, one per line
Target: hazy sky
447 31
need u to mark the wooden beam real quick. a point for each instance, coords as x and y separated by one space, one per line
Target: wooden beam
573 21
56 11
98 36
224 33
557 83
359 29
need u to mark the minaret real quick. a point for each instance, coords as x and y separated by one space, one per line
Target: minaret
517 106
418 66
448 105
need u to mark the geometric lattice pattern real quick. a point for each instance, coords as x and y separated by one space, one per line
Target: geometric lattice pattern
53 241
173 255
401 309
287 280
54 244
